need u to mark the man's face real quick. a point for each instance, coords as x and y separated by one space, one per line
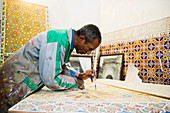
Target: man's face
86 48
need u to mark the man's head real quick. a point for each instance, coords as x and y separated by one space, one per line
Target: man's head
88 38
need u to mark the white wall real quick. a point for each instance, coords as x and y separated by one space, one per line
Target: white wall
71 13
109 15
120 14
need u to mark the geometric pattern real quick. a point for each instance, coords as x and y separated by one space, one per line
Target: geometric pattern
87 107
21 22
150 55
106 98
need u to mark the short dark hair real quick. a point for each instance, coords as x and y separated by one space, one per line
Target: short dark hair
91 32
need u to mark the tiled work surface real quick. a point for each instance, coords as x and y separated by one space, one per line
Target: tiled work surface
105 99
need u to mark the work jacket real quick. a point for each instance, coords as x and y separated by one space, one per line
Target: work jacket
41 61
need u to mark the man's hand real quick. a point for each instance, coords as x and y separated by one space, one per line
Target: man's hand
87 74
80 82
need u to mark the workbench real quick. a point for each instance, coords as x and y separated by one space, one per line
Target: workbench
110 96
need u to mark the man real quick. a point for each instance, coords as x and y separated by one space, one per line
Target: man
42 61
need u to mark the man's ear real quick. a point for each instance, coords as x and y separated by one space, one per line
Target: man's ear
82 37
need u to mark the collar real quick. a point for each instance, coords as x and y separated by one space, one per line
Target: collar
72 42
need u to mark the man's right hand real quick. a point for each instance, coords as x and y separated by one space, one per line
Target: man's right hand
87 74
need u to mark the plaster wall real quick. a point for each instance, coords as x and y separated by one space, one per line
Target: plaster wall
119 14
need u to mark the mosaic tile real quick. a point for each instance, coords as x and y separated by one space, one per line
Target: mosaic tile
20 22
106 99
150 55
17 26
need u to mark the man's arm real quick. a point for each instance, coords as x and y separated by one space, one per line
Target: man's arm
51 61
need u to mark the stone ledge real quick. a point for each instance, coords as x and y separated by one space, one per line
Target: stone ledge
138 32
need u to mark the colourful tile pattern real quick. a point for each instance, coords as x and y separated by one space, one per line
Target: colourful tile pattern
3 32
21 21
105 99
151 55
88 107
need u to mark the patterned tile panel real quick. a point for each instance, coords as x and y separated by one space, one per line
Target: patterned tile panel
20 22
105 99
151 55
